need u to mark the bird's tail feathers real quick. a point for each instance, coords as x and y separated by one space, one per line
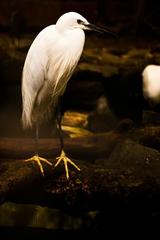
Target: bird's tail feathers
26 120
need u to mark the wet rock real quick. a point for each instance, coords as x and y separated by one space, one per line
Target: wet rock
151 118
129 154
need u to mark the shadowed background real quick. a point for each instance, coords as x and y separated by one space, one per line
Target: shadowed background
105 89
109 66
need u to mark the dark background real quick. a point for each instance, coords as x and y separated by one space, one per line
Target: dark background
137 26
39 13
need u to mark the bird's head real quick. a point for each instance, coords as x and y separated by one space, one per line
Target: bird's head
73 20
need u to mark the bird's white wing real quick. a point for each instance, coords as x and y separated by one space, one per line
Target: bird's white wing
35 82
49 64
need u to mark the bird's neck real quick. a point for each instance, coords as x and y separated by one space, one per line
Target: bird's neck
75 38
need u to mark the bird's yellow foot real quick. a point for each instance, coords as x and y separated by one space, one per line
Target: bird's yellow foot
38 160
66 160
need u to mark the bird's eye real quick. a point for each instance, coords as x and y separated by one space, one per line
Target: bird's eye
79 21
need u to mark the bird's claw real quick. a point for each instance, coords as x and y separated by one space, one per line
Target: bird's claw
38 160
66 160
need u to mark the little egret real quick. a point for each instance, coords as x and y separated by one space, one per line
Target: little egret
151 84
49 64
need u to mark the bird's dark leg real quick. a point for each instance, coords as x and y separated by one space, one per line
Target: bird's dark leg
59 128
36 140
63 156
36 157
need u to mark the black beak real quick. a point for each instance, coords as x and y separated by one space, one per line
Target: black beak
99 29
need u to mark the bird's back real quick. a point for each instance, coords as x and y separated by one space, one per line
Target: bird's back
49 64
151 83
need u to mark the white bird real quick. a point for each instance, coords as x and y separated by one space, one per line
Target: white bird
151 84
49 64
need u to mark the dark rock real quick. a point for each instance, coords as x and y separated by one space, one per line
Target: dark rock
151 118
102 119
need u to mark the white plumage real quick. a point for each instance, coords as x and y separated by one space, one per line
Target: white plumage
151 84
49 64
